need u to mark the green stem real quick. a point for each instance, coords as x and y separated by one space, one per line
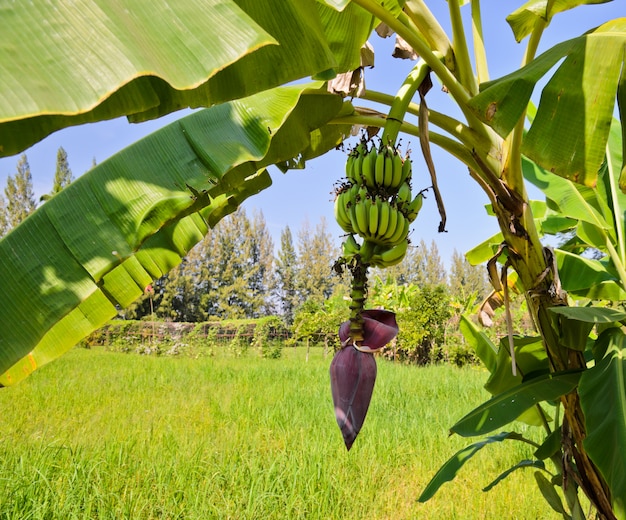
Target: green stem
619 226
453 147
463 133
402 100
480 55
430 30
617 263
512 173
358 295
461 52
405 28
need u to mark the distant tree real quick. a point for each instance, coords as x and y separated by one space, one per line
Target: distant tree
180 296
19 193
260 265
286 270
423 324
239 267
424 265
63 175
465 279
4 223
316 255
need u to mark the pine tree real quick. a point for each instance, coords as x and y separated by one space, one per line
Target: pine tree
4 223
424 265
63 175
316 256
19 193
465 279
286 272
237 269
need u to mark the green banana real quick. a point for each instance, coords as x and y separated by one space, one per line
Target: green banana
393 255
362 194
406 170
352 192
404 195
393 223
384 210
402 230
388 168
350 247
361 214
396 178
379 172
414 207
341 215
350 166
373 218
356 169
368 167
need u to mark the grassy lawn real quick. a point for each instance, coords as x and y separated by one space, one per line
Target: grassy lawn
106 435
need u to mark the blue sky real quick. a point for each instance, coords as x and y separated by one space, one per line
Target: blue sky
305 195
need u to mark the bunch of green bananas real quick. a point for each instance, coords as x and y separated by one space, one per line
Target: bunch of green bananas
376 203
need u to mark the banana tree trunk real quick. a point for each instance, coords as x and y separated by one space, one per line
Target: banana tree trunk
538 276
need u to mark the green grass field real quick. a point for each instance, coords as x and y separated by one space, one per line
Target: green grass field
103 435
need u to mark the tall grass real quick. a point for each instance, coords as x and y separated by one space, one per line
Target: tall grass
105 435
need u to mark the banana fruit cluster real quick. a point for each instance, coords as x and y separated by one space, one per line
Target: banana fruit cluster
376 203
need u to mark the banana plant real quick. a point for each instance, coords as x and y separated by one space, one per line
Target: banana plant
97 245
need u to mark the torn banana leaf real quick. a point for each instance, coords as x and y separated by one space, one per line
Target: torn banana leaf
93 248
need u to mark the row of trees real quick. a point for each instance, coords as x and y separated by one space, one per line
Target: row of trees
19 195
235 272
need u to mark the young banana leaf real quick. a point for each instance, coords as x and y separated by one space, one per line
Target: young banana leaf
570 130
96 246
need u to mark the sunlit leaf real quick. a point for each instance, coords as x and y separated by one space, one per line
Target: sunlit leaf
585 277
530 356
524 19
96 245
448 471
573 200
93 59
485 250
479 341
549 492
591 314
522 464
569 132
506 407
602 393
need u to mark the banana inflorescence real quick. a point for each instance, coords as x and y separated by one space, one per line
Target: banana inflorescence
376 203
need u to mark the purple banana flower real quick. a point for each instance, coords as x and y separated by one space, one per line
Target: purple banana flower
353 371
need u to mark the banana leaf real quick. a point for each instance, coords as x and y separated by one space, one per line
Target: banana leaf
524 19
603 401
66 63
448 471
570 130
93 248
510 404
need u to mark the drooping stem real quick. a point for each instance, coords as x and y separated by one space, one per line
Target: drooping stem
402 100
358 294
358 290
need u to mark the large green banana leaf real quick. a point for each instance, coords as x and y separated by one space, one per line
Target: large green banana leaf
603 400
570 130
68 63
94 247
